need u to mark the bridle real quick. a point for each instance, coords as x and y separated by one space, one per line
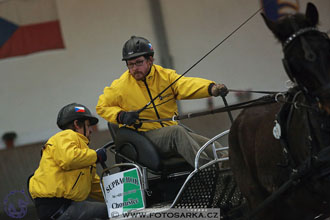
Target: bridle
309 54
311 97
296 34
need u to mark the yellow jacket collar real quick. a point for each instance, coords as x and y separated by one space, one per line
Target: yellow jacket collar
83 137
151 74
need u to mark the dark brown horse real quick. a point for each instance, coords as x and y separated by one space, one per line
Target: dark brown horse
299 157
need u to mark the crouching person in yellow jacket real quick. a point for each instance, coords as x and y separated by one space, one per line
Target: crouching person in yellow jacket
66 175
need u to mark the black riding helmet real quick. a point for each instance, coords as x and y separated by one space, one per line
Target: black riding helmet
137 46
73 112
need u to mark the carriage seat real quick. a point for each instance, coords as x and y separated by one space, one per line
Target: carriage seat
138 148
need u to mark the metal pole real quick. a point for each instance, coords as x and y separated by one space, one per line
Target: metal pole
229 112
161 36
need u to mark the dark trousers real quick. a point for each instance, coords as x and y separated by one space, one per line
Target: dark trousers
64 209
85 210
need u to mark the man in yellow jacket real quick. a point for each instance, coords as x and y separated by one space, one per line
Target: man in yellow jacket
66 175
139 85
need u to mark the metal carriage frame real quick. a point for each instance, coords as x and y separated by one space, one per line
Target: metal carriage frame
206 186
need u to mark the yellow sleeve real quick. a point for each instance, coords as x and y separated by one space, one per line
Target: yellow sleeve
190 87
107 106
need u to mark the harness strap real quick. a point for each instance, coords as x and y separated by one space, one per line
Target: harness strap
281 118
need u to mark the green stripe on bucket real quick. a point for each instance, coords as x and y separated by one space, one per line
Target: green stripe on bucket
132 190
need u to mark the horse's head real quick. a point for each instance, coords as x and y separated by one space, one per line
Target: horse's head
306 53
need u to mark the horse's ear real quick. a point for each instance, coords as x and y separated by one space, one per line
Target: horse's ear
270 24
312 14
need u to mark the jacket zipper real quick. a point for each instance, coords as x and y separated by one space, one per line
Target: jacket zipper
153 104
76 180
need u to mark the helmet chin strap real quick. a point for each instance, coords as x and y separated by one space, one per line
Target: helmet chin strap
145 77
85 129
84 126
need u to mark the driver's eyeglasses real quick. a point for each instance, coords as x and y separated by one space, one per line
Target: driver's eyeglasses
137 63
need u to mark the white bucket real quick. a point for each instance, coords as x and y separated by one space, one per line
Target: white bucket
123 192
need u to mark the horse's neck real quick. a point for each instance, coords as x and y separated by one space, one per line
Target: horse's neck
308 132
320 124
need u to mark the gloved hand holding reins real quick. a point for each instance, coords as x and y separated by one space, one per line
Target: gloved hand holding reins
127 118
101 155
219 89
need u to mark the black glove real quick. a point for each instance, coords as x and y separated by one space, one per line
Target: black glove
219 89
127 118
101 155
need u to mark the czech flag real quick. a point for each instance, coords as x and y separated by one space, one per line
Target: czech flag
79 109
28 26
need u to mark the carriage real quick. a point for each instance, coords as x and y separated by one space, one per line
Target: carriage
168 182
283 161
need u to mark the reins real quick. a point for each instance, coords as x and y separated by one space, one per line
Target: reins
253 91
272 97
256 102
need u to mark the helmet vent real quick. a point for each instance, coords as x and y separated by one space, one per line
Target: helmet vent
137 46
